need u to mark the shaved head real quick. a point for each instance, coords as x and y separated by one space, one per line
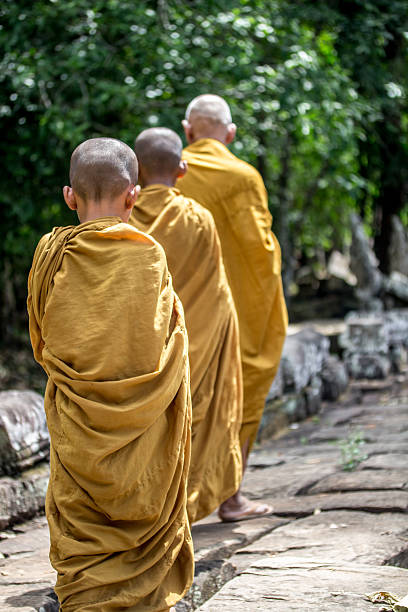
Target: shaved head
209 116
158 151
210 107
102 168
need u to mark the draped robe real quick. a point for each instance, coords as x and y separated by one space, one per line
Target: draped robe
233 191
187 233
108 330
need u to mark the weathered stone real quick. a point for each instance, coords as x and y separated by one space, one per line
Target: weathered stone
397 284
31 597
24 436
295 372
209 577
215 540
365 333
302 358
320 345
363 262
362 480
387 461
398 250
367 365
399 357
293 584
313 395
26 576
367 501
334 378
21 498
339 267
396 324
337 537
289 478
280 412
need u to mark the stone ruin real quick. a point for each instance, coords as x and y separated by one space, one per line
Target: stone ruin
307 375
24 453
375 289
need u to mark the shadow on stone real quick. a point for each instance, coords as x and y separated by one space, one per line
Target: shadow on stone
43 600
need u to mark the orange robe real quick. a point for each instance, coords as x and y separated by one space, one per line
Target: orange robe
108 330
235 194
187 233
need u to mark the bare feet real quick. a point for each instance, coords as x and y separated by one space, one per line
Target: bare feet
240 508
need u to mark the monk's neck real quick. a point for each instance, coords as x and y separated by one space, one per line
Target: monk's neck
96 210
159 180
212 137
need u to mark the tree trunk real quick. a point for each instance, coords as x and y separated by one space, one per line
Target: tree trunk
392 193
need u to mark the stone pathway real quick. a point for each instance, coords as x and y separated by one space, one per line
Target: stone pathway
334 536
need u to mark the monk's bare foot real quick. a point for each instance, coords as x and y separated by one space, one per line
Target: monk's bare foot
240 508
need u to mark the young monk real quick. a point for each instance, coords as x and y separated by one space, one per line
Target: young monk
187 233
235 194
109 331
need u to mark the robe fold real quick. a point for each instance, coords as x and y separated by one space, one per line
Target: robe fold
107 328
187 233
234 192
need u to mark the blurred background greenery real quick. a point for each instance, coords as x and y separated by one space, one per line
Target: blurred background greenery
317 89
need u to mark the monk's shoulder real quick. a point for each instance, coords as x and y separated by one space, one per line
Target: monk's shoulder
44 241
130 235
47 241
246 172
197 214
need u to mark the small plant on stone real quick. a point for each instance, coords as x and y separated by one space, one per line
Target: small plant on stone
351 451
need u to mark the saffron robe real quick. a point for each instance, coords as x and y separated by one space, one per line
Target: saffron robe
108 330
234 192
187 233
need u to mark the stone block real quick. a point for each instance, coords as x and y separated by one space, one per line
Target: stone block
23 497
397 284
365 333
302 358
334 378
363 262
313 396
396 323
398 249
24 438
367 365
280 412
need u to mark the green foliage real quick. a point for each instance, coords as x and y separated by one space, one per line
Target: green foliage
351 451
309 85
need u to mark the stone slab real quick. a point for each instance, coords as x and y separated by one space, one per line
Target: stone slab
24 438
338 536
368 501
292 584
287 479
386 461
215 540
26 575
23 497
362 480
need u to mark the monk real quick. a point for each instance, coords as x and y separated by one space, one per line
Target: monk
107 328
187 233
233 191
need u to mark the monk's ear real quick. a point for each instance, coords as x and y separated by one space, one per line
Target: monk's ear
182 169
69 197
132 196
188 130
231 131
